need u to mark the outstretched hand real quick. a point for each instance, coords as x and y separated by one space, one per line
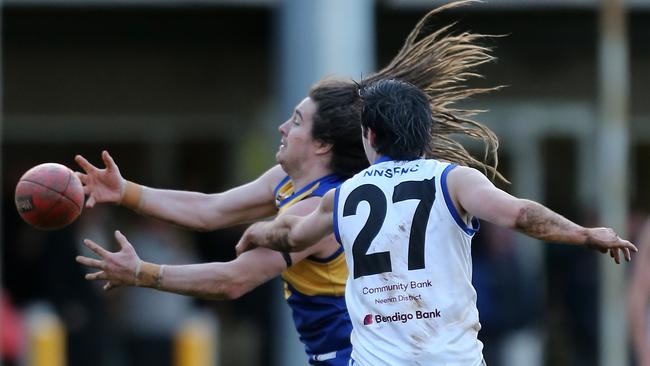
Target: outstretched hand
100 185
606 240
119 268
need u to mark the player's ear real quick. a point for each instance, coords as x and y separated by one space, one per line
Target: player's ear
323 148
371 136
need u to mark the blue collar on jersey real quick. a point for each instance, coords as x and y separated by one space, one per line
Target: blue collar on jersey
328 181
385 158
382 159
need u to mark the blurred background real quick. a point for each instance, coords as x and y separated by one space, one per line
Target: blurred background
189 94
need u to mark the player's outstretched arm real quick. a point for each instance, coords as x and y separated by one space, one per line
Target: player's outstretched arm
289 233
473 193
194 210
216 280
638 296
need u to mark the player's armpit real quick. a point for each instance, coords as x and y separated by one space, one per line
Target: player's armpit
474 194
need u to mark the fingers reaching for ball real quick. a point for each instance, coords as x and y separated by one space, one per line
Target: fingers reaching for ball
108 161
103 253
100 184
118 268
90 262
101 275
85 164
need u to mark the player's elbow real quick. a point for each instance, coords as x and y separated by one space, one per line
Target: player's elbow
209 217
234 292
204 227
229 290
512 221
200 223
209 223
517 215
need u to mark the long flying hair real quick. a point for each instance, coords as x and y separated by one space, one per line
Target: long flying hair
440 63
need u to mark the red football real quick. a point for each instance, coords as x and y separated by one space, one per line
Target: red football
49 196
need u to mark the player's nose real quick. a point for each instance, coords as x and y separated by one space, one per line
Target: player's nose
283 127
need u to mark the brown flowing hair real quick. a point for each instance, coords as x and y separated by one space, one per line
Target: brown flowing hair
440 63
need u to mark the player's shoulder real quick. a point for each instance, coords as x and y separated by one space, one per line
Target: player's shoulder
303 207
463 181
462 171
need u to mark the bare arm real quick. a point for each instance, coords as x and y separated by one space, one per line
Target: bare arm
217 280
194 210
207 212
638 299
474 194
227 280
291 233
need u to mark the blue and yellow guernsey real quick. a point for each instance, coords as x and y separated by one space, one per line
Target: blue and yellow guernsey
315 287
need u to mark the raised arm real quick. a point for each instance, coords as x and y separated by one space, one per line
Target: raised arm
228 280
475 195
289 233
194 210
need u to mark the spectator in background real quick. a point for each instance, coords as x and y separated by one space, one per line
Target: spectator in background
11 332
639 299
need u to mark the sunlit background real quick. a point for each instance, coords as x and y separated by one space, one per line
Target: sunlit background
189 94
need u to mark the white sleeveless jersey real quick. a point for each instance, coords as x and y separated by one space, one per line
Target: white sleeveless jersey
409 292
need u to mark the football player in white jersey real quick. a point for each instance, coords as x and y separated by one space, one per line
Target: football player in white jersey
406 224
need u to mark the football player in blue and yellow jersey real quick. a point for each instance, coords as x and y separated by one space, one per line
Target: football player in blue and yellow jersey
319 148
